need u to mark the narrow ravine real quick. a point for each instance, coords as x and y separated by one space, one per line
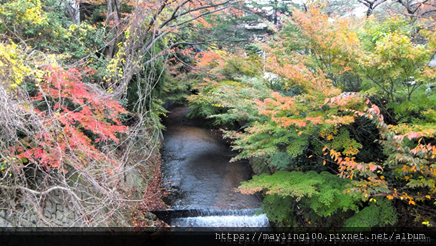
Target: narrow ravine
199 177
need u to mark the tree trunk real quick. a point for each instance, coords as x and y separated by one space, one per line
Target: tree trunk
73 9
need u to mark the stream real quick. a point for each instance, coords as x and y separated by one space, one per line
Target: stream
200 179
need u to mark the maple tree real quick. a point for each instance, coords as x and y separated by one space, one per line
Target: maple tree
83 83
74 123
371 5
59 139
148 24
339 110
308 123
418 8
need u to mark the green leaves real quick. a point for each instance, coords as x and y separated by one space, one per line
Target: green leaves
324 193
378 213
376 139
281 160
343 142
395 64
295 184
228 102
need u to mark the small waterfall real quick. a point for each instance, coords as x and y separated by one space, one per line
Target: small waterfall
201 181
223 221
220 218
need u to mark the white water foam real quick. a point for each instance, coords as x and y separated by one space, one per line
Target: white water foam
223 218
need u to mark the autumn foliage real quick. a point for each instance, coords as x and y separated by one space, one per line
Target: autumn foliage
340 111
75 120
353 98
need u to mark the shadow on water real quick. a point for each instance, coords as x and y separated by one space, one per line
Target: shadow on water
197 172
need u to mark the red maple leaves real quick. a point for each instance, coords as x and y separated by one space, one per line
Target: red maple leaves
75 123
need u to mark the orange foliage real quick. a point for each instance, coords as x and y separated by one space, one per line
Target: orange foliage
72 111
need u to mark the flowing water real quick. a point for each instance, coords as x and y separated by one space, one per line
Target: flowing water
223 218
199 177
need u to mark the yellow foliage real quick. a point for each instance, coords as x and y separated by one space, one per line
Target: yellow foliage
24 11
12 68
16 65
